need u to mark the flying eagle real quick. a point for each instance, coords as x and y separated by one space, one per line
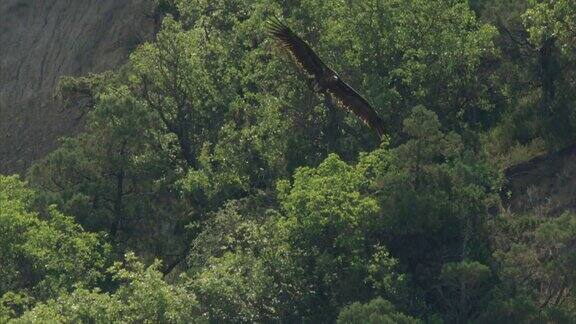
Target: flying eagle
325 78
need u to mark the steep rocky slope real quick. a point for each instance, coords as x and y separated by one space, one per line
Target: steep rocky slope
42 40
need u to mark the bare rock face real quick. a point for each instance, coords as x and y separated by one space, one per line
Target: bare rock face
42 40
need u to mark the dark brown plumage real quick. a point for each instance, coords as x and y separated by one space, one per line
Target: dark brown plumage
325 78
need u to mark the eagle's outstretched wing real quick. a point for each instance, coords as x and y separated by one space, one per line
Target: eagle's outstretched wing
354 102
300 50
313 65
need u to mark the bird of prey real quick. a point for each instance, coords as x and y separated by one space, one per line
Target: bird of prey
325 79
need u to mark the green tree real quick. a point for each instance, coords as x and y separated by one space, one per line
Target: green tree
382 47
304 262
102 176
434 198
44 253
237 266
553 19
550 25
142 297
329 225
463 286
537 269
536 75
376 311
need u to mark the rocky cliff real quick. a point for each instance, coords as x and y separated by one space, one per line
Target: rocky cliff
42 40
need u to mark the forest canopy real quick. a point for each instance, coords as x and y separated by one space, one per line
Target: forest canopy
211 183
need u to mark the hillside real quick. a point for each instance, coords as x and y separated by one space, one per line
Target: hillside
44 40
272 161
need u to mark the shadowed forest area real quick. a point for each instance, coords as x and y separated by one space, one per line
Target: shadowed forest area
211 183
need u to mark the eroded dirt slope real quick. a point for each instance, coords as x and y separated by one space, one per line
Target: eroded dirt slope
545 186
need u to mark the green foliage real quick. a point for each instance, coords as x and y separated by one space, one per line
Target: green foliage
232 273
553 19
210 151
535 72
538 267
13 304
400 66
325 207
102 175
45 254
239 288
551 25
64 253
376 311
82 91
15 199
142 297
311 260
434 199
432 184
463 285
328 225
